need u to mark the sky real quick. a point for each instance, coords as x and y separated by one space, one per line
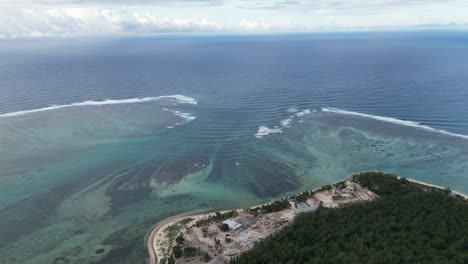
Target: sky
104 18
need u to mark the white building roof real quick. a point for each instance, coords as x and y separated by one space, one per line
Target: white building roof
233 225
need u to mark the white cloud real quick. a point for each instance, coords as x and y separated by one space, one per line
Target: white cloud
65 22
71 18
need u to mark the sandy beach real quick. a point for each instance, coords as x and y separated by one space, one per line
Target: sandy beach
158 230
436 186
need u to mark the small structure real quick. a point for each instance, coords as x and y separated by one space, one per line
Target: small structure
304 208
233 225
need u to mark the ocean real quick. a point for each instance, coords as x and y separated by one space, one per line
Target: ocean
101 139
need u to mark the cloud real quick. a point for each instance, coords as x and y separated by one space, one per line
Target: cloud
66 22
112 2
101 18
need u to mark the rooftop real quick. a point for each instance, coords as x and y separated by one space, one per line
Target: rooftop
233 225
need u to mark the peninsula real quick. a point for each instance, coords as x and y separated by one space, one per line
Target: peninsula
231 236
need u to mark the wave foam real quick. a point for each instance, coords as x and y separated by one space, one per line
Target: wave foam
394 121
265 131
285 123
179 98
186 116
303 113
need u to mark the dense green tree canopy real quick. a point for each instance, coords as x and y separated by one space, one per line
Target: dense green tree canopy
408 224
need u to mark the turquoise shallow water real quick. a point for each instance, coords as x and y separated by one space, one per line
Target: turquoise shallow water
252 121
118 177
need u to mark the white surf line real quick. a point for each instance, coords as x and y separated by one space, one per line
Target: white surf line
186 116
394 121
265 131
285 123
182 99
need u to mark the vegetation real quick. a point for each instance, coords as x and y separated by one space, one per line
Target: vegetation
206 257
224 227
325 188
410 223
190 252
185 221
216 218
341 185
389 185
302 197
172 231
180 239
177 251
276 206
205 231
171 260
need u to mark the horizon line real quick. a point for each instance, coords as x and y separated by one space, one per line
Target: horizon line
240 34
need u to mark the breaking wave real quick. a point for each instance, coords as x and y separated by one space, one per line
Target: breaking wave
187 117
285 123
265 131
182 99
394 121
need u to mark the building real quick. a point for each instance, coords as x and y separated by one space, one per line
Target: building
303 208
233 225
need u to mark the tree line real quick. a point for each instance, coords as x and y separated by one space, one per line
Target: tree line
409 223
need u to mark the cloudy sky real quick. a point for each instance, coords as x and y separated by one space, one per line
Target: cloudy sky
100 18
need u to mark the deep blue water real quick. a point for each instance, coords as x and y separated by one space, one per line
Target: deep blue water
413 76
98 175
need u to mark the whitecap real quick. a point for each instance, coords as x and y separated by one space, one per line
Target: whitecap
265 131
303 112
286 122
186 116
179 98
394 121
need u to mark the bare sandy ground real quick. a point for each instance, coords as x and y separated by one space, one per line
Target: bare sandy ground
158 230
151 241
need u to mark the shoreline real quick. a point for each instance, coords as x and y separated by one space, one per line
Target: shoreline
161 226
155 231
152 234
435 186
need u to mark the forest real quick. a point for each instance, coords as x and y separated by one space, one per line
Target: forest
409 223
